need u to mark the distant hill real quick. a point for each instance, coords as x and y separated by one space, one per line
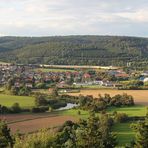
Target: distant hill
76 50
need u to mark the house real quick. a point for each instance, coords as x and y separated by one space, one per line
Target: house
145 80
122 75
108 84
62 84
98 82
86 77
117 85
17 85
29 85
142 78
81 84
145 73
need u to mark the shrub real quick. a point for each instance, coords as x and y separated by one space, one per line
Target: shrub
40 100
40 109
41 85
121 117
41 139
16 108
4 109
79 112
58 105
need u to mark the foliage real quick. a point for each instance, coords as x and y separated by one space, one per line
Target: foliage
41 86
6 139
41 139
39 109
40 100
54 92
120 117
94 132
141 129
102 102
23 91
76 50
16 108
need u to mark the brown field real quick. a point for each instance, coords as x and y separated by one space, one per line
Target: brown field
140 96
36 124
27 123
10 118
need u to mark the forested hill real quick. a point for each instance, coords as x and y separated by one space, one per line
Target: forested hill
77 50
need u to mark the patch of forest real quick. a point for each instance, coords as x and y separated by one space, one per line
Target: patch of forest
75 50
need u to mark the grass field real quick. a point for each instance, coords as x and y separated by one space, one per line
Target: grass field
54 70
140 96
124 133
74 112
137 110
9 100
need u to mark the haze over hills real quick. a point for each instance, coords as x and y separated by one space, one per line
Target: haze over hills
76 50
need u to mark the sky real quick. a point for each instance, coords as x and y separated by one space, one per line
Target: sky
73 17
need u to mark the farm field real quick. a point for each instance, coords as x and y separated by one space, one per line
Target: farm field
140 96
32 122
9 100
12 118
36 124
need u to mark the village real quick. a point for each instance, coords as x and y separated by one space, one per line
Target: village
36 77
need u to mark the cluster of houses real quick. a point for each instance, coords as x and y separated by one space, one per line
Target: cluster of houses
144 76
31 77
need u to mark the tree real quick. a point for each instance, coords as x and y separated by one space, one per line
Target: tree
41 85
24 91
55 92
41 139
40 100
121 117
16 108
141 129
6 139
10 83
94 132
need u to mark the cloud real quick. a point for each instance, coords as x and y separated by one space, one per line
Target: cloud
65 17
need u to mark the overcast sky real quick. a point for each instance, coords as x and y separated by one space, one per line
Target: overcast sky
73 17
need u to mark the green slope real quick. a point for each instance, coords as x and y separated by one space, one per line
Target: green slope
79 50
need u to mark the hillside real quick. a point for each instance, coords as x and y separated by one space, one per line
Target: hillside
79 50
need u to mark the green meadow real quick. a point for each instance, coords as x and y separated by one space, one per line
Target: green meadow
137 110
124 133
74 112
9 100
